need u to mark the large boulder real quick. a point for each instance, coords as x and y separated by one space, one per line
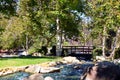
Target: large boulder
52 64
70 60
100 58
49 70
48 78
33 69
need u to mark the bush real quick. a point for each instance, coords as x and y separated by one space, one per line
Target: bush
32 50
117 53
97 52
53 50
43 50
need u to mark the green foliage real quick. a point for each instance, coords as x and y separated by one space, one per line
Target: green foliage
104 14
10 37
42 18
35 47
8 7
3 23
44 50
32 50
111 32
53 51
105 18
97 52
35 23
117 53
66 43
109 40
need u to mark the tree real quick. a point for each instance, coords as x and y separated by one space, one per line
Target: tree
50 18
68 25
12 35
8 7
105 15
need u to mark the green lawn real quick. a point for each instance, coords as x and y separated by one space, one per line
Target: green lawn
21 61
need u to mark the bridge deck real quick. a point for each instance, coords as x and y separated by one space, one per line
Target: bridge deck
78 51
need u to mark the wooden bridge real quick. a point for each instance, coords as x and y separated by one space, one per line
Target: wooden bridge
78 51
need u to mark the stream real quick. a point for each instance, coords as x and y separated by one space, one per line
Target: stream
67 72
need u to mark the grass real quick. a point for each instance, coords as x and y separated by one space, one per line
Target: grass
22 61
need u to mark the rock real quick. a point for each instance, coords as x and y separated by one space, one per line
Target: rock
100 58
59 63
49 69
77 67
33 69
10 70
37 54
6 71
19 69
46 64
76 61
70 59
23 53
48 78
36 76
82 61
64 62
116 61
52 64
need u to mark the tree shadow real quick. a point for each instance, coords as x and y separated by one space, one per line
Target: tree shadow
29 57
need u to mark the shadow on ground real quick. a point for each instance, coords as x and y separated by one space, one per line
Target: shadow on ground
29 57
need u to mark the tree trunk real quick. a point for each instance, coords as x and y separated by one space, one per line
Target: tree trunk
26 44
58 38
103 43
114 45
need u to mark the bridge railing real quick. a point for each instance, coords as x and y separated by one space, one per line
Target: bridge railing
77 49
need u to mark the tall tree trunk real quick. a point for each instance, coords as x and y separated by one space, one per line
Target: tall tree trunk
103 43
58 38
26 44
115 44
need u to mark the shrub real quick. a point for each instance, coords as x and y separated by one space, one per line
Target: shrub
117 53
97 52
53 51
32 50
43 50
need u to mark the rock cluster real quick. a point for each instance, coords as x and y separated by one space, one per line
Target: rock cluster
11 70
48 67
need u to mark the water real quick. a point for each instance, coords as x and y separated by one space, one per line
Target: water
15 76
67 72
